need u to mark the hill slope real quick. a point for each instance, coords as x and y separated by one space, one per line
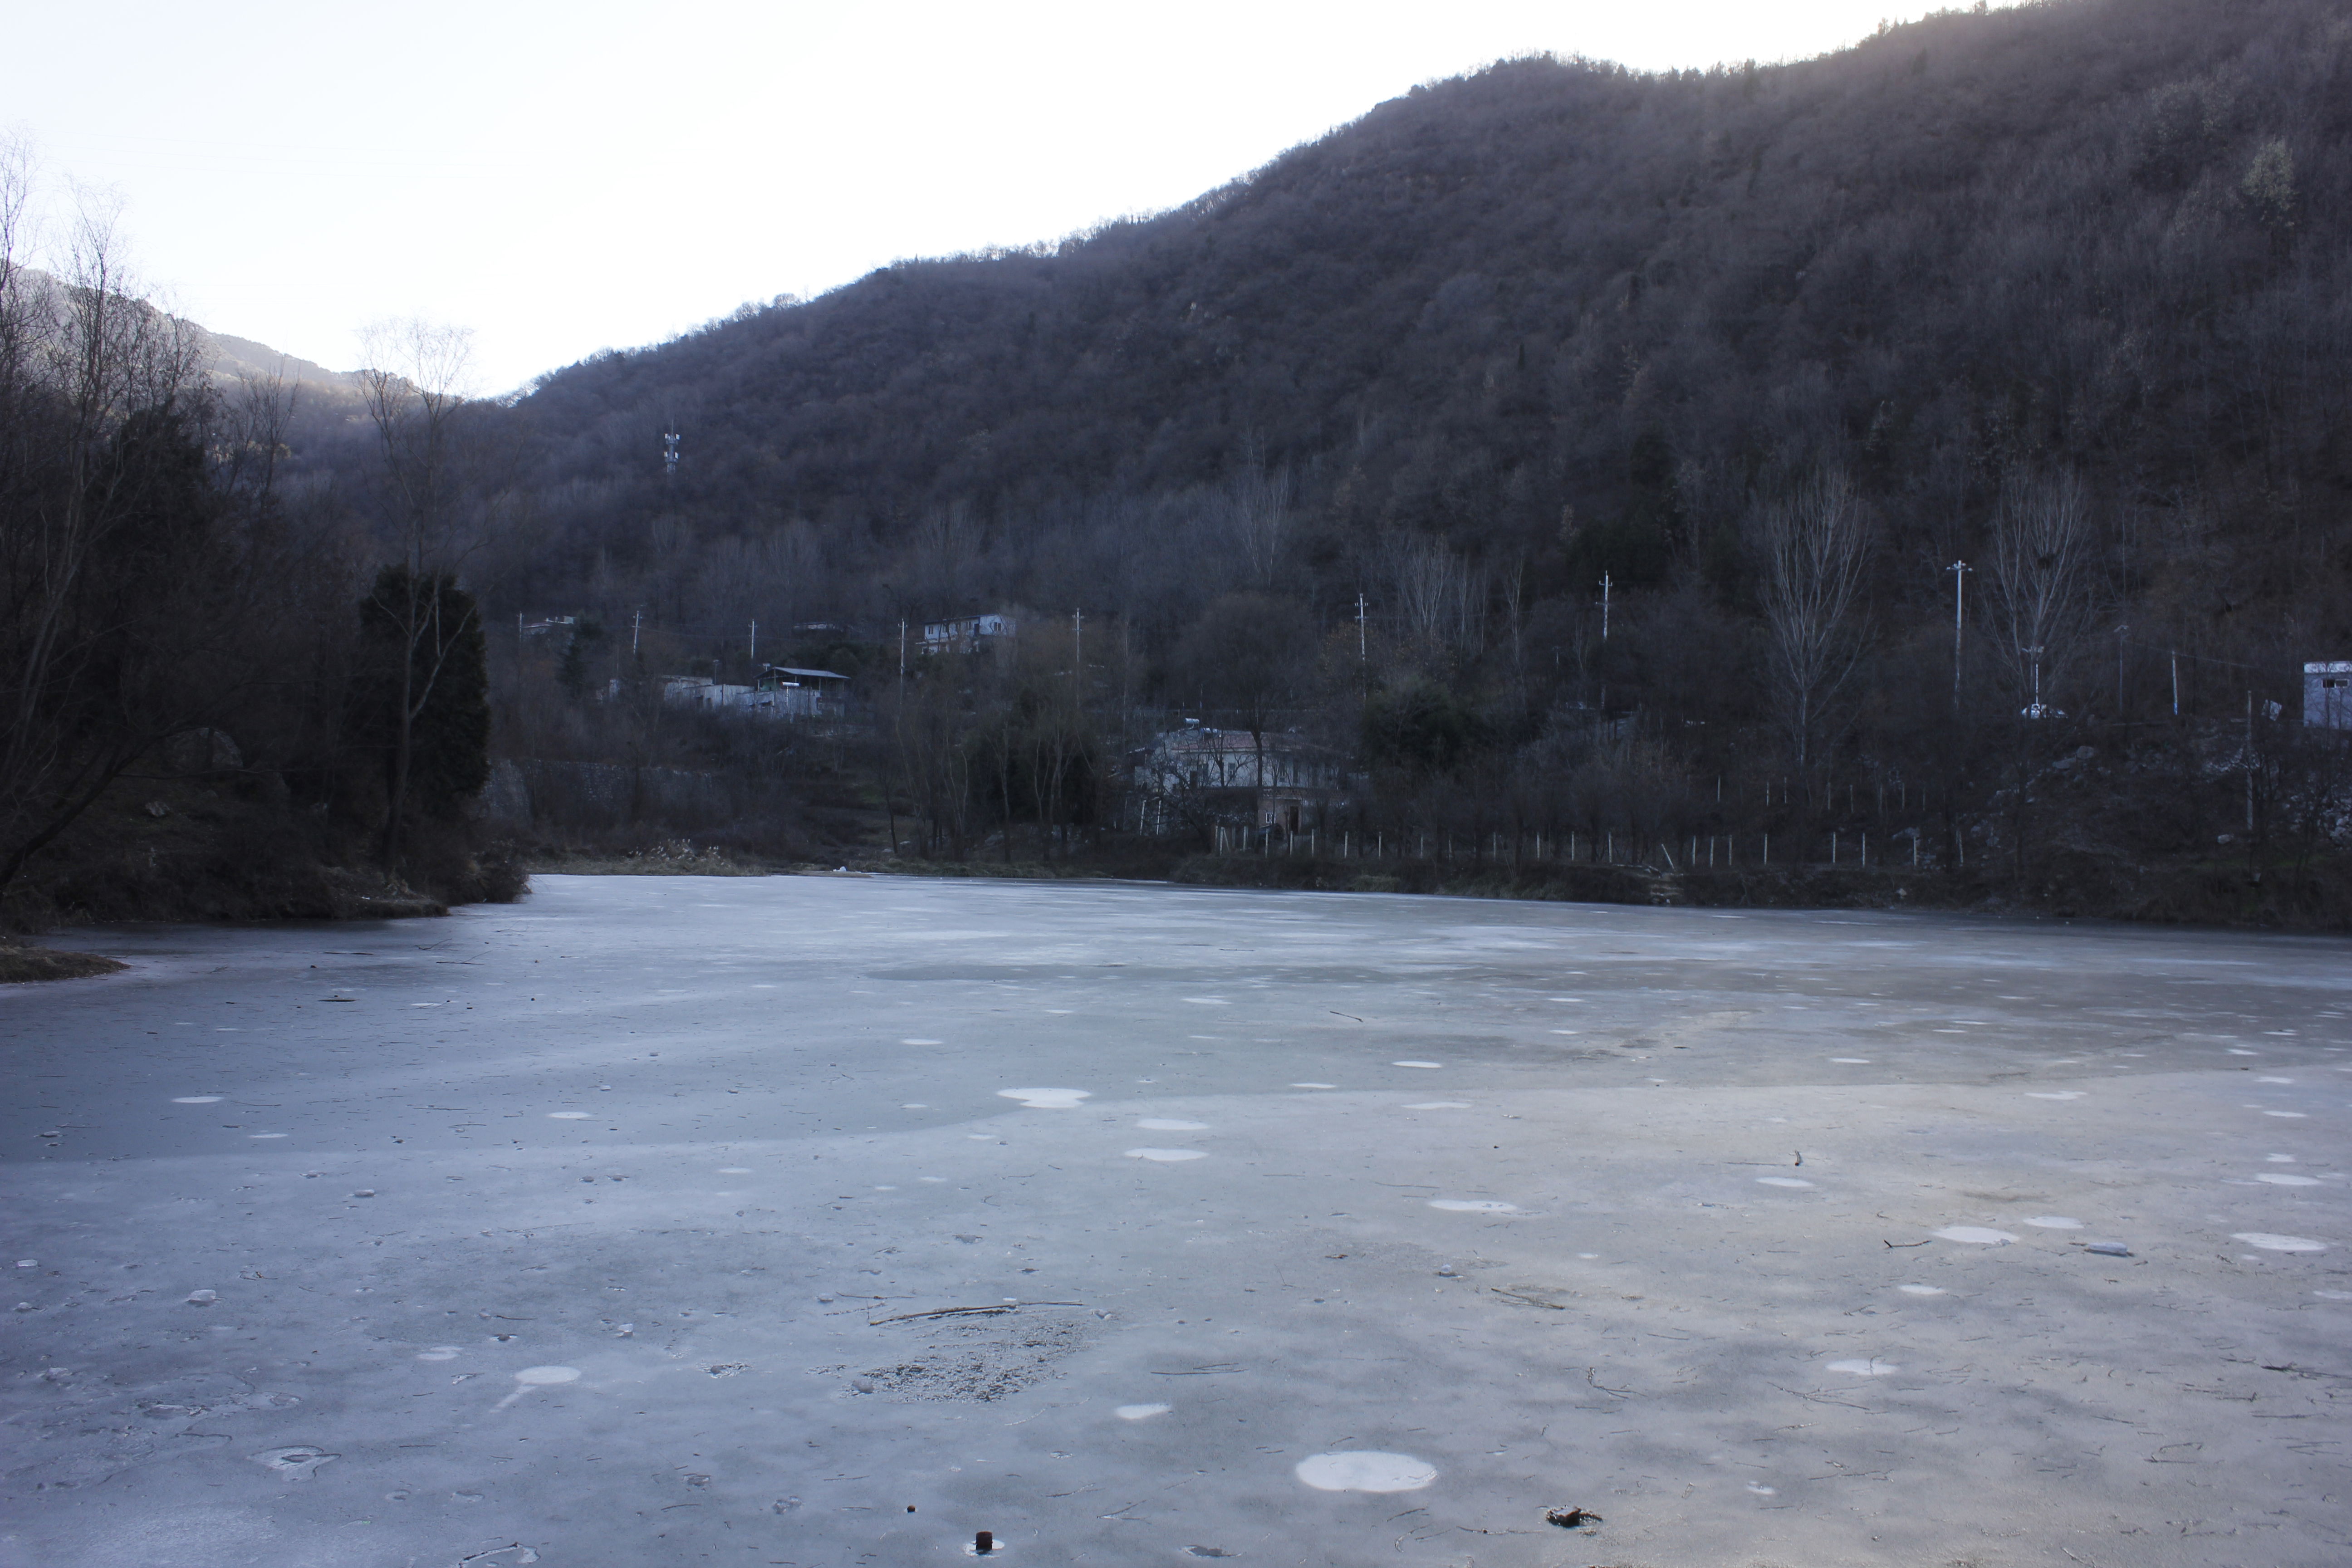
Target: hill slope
2110 233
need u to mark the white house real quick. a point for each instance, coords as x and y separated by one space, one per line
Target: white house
967 634
1280 781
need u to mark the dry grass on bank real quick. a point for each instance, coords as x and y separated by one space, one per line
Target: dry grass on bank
20 964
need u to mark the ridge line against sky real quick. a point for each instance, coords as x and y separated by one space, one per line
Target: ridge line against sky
563 179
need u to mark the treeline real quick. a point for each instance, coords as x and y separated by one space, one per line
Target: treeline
226 689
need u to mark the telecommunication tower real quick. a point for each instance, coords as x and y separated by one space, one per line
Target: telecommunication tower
669 454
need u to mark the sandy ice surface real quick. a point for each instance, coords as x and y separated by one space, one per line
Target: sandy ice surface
561 1234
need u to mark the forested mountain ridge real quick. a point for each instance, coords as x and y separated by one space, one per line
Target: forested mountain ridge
2105 235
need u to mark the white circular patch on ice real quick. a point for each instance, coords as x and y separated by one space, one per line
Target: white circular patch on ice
197 1100
1782 1182
2055 1222
1207 1001
1921 1289
2334 1295
1473 1205
1873 1367
1853 1061
567 1116
1165 1155
1976 1235
1047 1098
1366 1472
1165 1125
2056 1094
2270 1243
2274 1080
540 1376
1416 1064
264 1135
2289 1181
922 1042
1139 1412
734 1170
438 1353
1441 1105
2298 1115
1314 1086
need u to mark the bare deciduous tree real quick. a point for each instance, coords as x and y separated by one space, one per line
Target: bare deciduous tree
1815 543
2038 576
414 385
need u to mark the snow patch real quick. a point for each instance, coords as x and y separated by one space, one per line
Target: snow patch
1365 1472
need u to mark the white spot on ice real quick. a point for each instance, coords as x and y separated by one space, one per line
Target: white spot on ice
2054 1094
2055 1222
567 1116
1782 1182
2236 1052
2270 1243
543 1377
930 1178
922 1042
28 1263
2274 1080
1853 1061
438 1353
917 1105
1416 1064
734 1170
2280 1159
1473 1205
264 1135
1976 1235
1921 1289
2294 1115
1139 1412
2278 1181
1166 1156
1873 1367
1314 1086
1763 1491
203 1298
1365 1472
2334 1295
1165 1124
1047 1098
1441 1105
197 1100
1208 1000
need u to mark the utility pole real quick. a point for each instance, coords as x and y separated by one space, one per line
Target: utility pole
1604 607
1959 570
636 625
902 650
1361 657
2035 653
1078 640
755 642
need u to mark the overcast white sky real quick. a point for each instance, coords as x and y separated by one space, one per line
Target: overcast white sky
563 177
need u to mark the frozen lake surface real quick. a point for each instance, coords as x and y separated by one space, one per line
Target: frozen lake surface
826 1221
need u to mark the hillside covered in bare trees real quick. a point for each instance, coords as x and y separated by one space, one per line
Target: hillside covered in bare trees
1939 451
2059 293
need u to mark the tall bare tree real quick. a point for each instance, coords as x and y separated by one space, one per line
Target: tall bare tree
2039 575
414 387
100 484
1815 543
